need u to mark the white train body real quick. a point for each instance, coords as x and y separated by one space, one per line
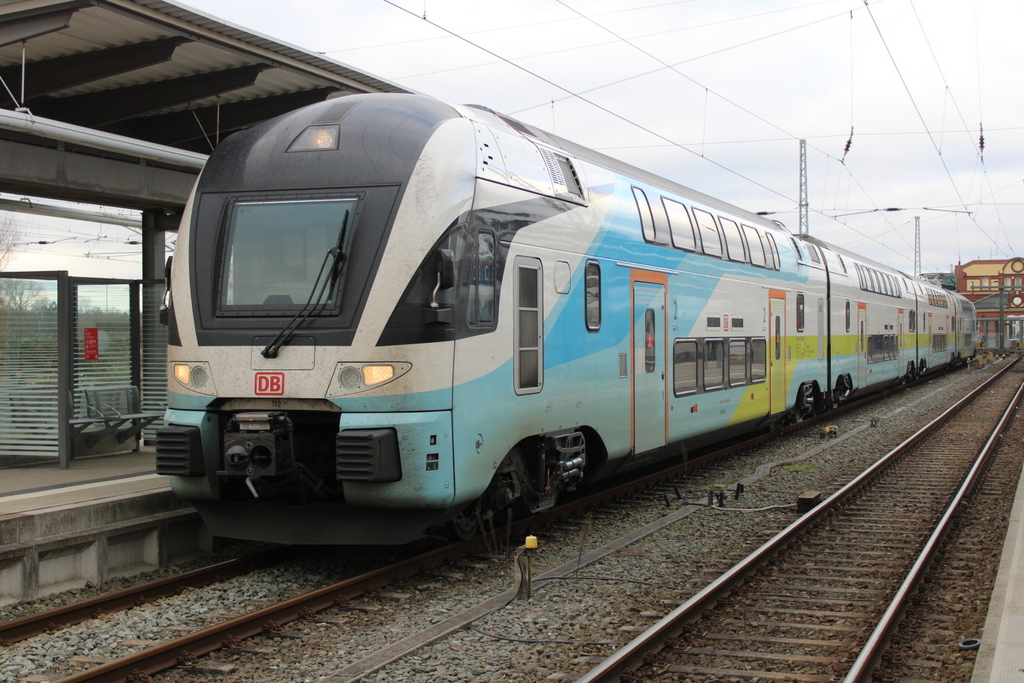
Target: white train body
503 316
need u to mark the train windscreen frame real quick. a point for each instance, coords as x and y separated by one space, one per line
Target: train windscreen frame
274 251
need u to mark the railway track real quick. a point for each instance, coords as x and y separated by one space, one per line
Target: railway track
17 630
820 601
231 633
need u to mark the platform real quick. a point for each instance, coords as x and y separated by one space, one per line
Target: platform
105 517
1001 655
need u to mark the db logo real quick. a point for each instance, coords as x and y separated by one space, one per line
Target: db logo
269 384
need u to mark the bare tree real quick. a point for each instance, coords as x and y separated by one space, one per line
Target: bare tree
8 238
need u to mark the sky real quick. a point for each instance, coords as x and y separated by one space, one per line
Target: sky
712 94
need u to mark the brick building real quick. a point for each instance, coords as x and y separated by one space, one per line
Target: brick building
997 288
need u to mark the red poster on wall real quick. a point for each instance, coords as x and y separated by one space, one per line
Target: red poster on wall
92 343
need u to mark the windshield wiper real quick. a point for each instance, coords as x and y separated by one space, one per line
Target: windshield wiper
282 338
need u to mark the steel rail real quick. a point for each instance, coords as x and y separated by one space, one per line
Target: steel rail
871 654
632 654
34 624
184 651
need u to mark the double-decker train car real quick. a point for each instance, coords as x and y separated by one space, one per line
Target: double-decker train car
387 314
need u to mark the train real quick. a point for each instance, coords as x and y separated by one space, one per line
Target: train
390 317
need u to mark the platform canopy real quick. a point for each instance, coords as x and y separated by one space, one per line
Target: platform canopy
121 100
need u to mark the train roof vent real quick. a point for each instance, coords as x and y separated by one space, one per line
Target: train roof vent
336 112
562 172
517 126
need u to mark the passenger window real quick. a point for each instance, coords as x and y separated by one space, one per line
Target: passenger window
796 247
799 312
711 240
714 364
592 295
680 225
733 240
778 337
484 279
757 360
774 250
737 362
529 324
814 253
757 256
684 371
646 220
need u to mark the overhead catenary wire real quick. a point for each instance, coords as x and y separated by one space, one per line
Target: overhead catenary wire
595 104
847 178
570 94
924 123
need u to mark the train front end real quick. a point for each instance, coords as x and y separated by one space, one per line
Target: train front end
311 250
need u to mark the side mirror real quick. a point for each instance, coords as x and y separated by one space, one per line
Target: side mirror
166 302
445 268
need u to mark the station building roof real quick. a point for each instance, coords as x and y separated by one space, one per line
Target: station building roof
153 71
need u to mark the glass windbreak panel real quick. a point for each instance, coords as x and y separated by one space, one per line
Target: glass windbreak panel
737 362
154 357
28 371
684 374
103 338
275 251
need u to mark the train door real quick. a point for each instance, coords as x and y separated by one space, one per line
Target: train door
821 329
862 345
899 342
930 341
776 352
649 343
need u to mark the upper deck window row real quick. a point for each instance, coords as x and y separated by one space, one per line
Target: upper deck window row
876 281
720 237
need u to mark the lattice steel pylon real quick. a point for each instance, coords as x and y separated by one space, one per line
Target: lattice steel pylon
803 188
917 246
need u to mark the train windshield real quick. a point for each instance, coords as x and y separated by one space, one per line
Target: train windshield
275 250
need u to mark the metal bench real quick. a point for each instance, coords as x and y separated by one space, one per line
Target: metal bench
116 411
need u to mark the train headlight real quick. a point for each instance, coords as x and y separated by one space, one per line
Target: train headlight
182 372
199 377
315 138
195 376
375 374
352 378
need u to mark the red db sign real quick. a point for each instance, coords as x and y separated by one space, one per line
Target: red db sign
91 343
269 384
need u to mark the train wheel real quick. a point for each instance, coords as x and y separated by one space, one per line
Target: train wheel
466 524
